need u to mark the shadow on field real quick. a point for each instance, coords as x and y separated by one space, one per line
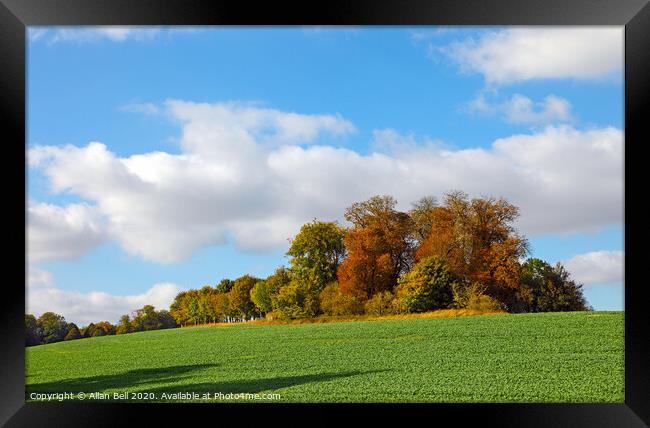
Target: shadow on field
126 380
259 385
149 380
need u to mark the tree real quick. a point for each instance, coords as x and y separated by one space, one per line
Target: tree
165 319
261 297
240 296
380 304
421 215
546 288
427 287
225 285
477 241
316 253
292 301
53 327
379 245
124 325
106 327
146 319
73 332
33 332
334 302
88 330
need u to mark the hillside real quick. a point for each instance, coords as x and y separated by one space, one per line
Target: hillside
549 357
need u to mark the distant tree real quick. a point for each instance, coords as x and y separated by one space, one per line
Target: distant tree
427 287
124 325
33 332
166 320
240 296
146 319
546 288
225 285
73 332
261 297
88 330
107 328
53 327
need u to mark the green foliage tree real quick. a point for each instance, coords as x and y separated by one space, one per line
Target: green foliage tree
146 319
53 327
33 332
546 288
225 285
316 253
426 287
261 297
291 301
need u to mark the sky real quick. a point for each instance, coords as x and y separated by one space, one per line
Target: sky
167 158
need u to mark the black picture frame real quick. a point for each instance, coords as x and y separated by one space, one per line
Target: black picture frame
16 15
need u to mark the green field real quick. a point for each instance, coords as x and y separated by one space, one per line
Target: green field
551 357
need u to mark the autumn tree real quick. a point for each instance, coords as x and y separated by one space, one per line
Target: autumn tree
240 296
476 239
379 246
422 217
334 302
124 325
73 332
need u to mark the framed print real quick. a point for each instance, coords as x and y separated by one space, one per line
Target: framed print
398 208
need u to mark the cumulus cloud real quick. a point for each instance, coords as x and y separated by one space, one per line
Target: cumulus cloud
257 174
37 277
520 109
519 54
62 233
84 308
597 267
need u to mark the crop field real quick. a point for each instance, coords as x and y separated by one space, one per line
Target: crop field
550 357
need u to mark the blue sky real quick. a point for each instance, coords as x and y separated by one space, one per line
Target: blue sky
405 93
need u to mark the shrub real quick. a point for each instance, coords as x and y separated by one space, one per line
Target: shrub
290 302
483 303
380 304
335 302
426 287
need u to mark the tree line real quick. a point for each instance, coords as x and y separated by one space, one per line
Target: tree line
457 253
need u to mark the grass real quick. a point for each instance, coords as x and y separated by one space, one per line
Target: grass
551 357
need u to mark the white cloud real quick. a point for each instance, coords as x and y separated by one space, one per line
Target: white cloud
84 308
256 174
519 54
57 233
522 110
114 33
37 277
597 267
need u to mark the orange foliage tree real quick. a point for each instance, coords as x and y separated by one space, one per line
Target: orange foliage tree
379 246
477 241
